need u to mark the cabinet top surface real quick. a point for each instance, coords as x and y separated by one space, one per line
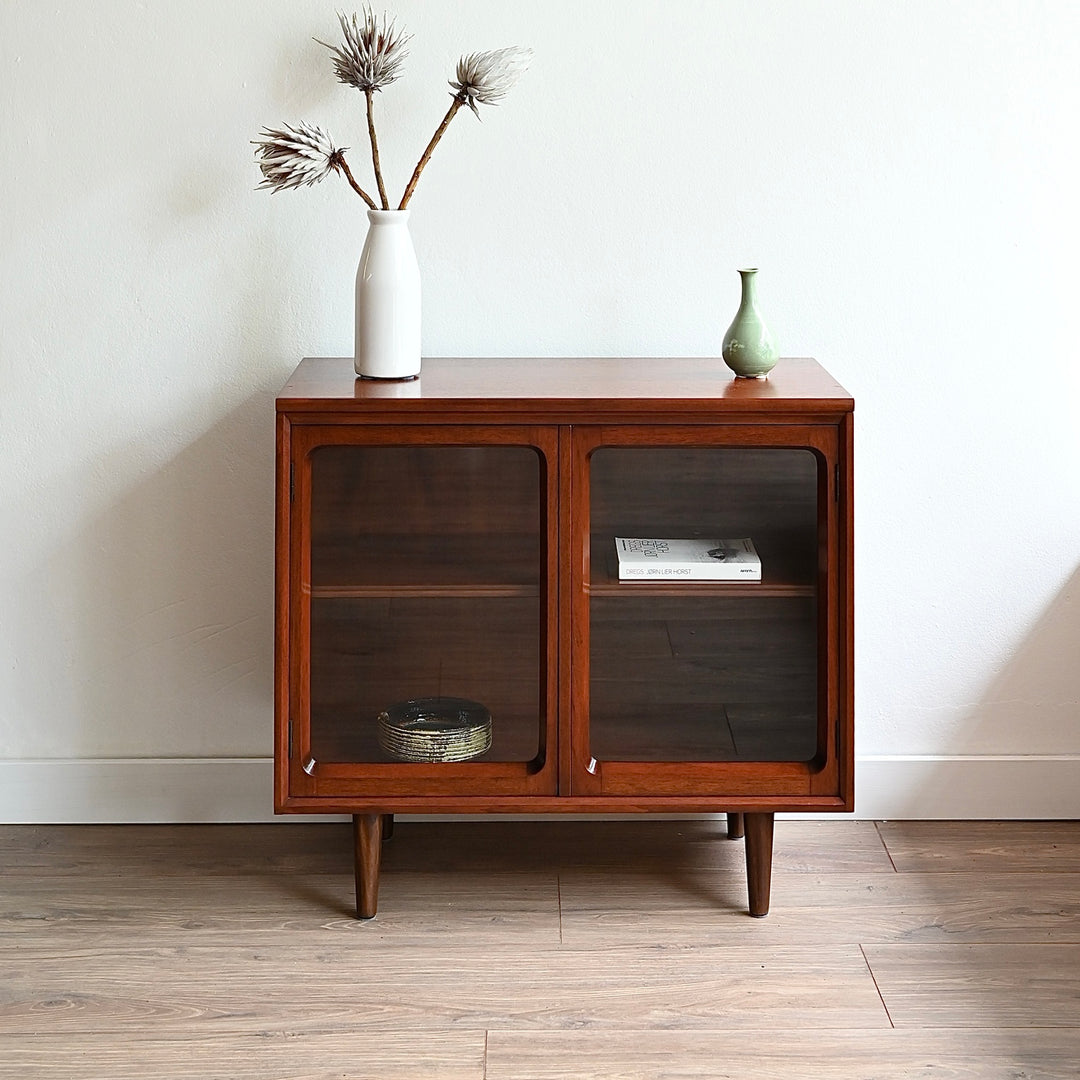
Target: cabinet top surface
329 384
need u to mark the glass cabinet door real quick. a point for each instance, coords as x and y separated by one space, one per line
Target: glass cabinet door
719 686
425 592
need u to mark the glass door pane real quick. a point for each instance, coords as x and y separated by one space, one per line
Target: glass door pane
688 670
425 582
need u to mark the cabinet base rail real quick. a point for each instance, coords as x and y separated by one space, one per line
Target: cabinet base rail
370 831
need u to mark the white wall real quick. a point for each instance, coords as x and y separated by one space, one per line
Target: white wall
903 174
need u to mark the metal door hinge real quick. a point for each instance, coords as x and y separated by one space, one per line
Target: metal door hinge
292 480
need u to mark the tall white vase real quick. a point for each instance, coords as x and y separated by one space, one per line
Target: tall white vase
388 300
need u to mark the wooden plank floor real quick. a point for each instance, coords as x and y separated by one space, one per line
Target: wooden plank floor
529 950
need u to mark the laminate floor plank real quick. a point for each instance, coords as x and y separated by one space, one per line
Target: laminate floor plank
269 1055
461 846
800 846
993 847
567 948
982 986
103 850
356 985
428 910
886 1054
709 908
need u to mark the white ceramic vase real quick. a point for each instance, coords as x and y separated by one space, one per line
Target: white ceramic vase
388 300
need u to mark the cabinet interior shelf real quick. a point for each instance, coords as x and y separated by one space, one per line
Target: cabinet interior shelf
783 573
426 565
764 589
474 567
410 591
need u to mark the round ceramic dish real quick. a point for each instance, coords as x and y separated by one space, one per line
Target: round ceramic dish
435 729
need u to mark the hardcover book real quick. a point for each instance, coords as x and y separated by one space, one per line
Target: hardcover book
689 560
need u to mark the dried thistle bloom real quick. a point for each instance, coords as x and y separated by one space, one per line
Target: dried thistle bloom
369 58
295 156
299 157
371 53
485 77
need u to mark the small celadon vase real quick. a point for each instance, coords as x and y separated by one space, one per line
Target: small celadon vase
749 349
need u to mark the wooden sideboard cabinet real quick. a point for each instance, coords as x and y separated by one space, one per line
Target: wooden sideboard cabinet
453 536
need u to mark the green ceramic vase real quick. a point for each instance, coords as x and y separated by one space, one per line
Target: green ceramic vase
749 348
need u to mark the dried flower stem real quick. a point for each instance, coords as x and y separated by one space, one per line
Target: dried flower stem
375 150
426 156
339 162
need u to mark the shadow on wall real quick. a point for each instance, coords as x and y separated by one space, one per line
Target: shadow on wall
1017 753
162 606
1034 701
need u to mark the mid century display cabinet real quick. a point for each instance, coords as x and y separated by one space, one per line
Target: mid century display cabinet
453 537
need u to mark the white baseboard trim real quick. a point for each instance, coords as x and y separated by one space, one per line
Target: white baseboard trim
144 790
55 791
1033 787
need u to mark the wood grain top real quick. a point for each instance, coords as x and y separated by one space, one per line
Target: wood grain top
568 385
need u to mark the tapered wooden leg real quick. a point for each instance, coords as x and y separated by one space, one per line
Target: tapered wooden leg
735 827
367 843
387 826
759 845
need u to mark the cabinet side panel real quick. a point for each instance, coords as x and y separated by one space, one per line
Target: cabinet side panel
846 496
283 460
